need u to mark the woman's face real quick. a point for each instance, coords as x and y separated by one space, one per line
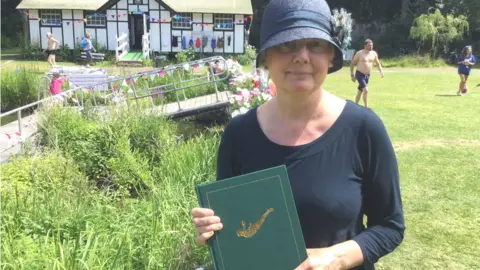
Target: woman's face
469 51
299 66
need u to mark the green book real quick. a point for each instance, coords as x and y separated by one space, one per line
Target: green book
261 229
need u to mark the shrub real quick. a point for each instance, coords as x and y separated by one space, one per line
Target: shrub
19 88
60 220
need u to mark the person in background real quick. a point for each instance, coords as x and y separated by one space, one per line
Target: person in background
465 63
56 86
88 50
52 46
340 160
364 60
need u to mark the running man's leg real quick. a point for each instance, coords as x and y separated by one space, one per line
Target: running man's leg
54 63
362 87
50 59
365 95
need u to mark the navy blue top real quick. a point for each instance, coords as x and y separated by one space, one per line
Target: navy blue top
464 69
349 171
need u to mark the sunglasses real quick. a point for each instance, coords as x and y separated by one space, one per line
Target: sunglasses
314 46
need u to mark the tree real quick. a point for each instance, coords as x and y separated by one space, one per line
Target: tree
469 8
439 30
342 27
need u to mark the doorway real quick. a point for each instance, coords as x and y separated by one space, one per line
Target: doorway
137 30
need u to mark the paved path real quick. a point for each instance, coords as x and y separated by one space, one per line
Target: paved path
10 137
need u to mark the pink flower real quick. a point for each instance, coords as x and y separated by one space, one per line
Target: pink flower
239 99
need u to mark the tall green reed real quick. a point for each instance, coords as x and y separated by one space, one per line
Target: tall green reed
57 216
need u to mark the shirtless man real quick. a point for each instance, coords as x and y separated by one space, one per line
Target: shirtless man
364 60
51 48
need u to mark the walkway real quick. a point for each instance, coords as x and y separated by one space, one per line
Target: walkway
194 106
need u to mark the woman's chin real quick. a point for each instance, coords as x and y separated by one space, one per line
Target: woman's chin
301 86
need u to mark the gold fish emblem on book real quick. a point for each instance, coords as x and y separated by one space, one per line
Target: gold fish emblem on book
252 228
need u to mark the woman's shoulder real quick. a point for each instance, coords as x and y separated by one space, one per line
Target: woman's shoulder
357 113
242 123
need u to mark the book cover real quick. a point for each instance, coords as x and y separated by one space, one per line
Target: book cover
261 229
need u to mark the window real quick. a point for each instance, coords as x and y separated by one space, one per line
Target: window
138 2
95 18
182 20
51 16
223 21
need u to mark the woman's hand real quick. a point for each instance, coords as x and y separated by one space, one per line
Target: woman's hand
345 255
322 259
205 224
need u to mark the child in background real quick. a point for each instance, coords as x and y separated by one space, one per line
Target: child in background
56 86
56 89
88 48
465 63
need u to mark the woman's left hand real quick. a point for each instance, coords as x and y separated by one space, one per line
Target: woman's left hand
321 259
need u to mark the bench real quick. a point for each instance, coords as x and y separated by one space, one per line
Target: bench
96 57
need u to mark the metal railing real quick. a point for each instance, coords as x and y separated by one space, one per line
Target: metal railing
211 77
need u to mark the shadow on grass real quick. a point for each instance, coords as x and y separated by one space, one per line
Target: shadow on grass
447 95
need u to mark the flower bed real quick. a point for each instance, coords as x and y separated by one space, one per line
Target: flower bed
248 93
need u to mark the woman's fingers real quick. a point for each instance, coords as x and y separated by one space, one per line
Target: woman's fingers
202 238
202 212
209 228
204 221
205 224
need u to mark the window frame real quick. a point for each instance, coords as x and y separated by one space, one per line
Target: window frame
87 13
47 12
224 17
189 27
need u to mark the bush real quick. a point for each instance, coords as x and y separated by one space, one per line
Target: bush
51 215
244 60
110 152
19 88
185 55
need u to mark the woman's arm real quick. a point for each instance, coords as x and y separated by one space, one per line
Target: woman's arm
382 203
381 188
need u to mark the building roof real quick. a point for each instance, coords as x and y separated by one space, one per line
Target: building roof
210 6
62 4
194 6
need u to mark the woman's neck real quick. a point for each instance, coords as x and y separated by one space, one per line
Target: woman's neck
297 106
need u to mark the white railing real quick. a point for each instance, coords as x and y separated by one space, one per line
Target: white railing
146 45
122 46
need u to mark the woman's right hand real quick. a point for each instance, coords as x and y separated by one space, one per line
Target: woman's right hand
205 224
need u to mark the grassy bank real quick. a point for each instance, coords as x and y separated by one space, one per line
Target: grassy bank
111 194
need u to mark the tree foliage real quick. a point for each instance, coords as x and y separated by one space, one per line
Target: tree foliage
342 24
438 30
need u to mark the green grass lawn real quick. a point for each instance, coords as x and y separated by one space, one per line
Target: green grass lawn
438 147
436 135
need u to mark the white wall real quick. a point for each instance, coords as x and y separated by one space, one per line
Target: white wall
34 26
239 38
78 28
155 30
68 35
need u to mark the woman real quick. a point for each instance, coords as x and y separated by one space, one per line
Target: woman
465 63
339 157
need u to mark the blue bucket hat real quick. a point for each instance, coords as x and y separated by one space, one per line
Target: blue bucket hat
286 20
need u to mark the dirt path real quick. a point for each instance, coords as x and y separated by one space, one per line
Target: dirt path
401 146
